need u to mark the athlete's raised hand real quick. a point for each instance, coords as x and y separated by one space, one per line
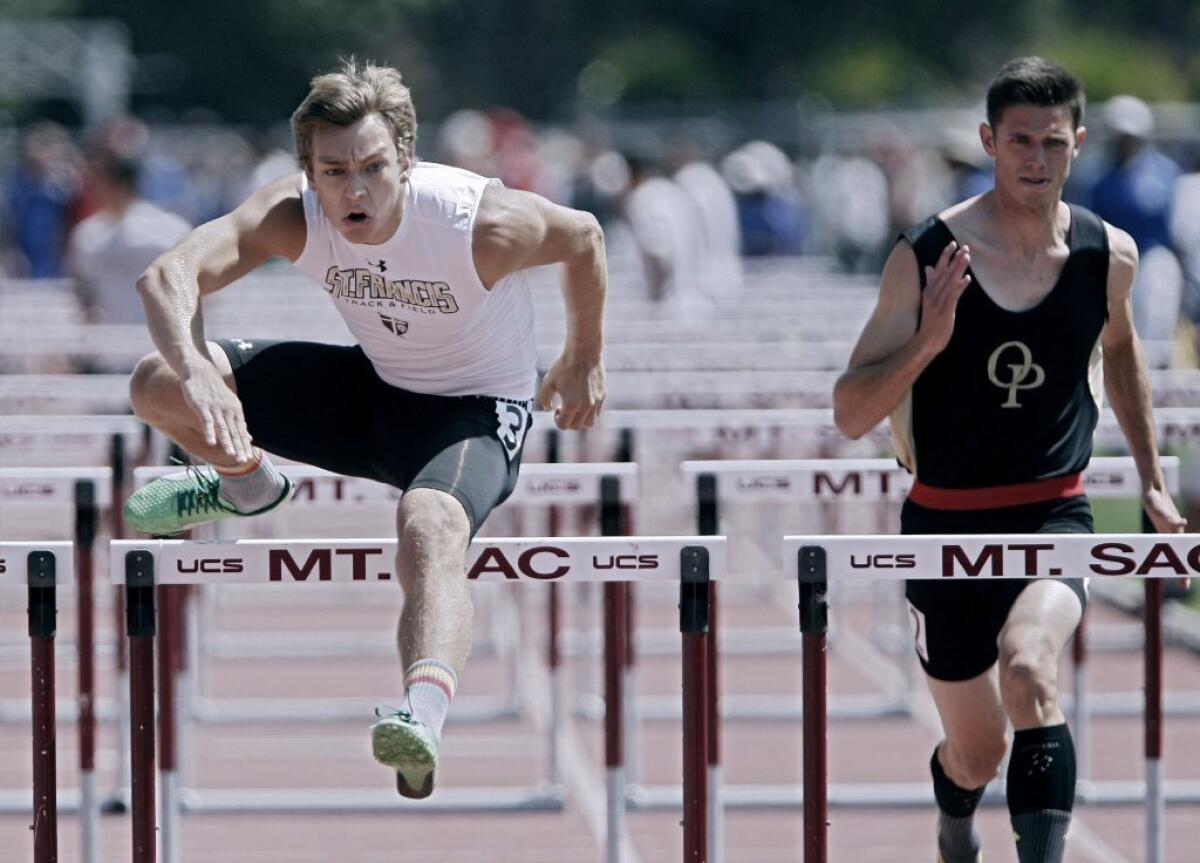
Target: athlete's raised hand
580 387
944 284
219 410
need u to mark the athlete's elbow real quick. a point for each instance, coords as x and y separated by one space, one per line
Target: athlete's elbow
849 425
849 421
845 417
150 281
589 242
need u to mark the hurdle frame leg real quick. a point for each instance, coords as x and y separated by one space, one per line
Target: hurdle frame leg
167 670
85 535
814 625
1155 798
614 719
42 627
708 523
694 629
141 629
118 802
554 657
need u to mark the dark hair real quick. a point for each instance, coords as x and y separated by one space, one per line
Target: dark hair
1034 81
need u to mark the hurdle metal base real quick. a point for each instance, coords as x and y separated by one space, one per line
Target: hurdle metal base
309 645
20 802
262 801
767 641
468 709
759 708
899 795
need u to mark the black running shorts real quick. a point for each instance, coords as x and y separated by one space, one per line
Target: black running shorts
324 405
956 623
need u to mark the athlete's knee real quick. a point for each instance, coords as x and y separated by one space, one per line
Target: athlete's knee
430 523
1028 682
977 763
150 387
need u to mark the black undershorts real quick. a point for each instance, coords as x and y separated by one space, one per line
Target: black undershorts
324 405
956 623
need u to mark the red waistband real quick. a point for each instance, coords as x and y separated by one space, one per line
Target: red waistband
994 497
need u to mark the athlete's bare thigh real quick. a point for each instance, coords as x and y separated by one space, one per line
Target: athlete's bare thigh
221 361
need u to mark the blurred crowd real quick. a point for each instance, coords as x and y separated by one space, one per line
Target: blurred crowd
681 218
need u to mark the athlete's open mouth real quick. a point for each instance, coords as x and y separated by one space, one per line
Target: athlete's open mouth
1036 183
357 217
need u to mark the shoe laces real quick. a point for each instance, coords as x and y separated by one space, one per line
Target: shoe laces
205 500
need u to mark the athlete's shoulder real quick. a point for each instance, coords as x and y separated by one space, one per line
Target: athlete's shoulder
1122 255
272 218
443 194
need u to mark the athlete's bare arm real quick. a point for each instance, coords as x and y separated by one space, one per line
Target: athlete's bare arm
907 329
515 230
1127 382
270 223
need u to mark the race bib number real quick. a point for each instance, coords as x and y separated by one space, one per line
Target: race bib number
512 421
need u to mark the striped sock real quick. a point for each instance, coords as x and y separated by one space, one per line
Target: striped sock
252 485
429 685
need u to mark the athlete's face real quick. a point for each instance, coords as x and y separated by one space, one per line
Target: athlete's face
359 178
1033 147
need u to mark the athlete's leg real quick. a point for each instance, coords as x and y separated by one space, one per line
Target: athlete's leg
191 497
462 461
1039 624
1041 773
434 634
436 622
967 759
157 397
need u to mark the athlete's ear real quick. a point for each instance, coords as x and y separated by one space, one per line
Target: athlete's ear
1080 137
988 136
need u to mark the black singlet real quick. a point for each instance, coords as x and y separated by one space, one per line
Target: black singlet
1010 399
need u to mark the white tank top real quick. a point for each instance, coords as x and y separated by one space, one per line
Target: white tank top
415 303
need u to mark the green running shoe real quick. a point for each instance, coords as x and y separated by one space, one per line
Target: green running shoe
180 501
407 746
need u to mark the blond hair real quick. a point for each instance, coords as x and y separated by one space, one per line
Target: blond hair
344 97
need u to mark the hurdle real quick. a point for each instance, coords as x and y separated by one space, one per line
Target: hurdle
607 485
87 490
822 480
814 560
41 567
883 481
141 566
74 436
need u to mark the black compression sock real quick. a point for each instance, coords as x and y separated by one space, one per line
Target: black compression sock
958 841
1041 792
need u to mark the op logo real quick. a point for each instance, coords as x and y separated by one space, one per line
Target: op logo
1018 371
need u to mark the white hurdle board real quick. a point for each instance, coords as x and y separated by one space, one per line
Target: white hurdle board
315 561
881 479
537 483
14 562
984 556
53 485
